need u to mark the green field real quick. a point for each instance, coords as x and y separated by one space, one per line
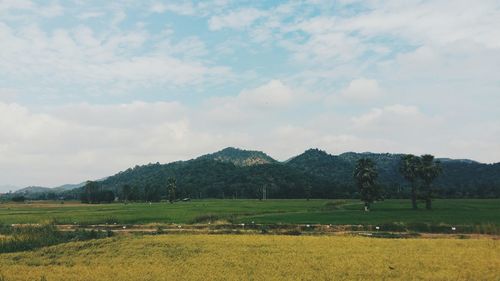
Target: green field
340 212
45 252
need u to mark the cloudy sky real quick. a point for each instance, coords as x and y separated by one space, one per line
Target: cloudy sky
89 88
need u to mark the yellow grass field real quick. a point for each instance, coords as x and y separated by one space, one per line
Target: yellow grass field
257 257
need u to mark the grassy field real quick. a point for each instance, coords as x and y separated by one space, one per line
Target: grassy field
138 213
126 256
257 257
450 212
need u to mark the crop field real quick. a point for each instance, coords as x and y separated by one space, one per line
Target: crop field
43 252
257 257
449 212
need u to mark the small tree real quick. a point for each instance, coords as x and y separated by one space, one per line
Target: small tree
136 194
429 170
365 175
106 196
307 191
171 187
91 192
409 169
126 191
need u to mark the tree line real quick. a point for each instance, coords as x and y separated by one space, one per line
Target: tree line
93 193
419 171
313 174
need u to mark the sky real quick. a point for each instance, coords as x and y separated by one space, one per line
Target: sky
90 88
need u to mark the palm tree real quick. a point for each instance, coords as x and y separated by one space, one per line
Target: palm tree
409 169
365 175
429 170
171 187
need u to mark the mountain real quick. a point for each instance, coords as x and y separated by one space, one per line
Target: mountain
458 160
236 173
233 172
32 190
240 157
321 164
460 177
67 187
40 192
208 177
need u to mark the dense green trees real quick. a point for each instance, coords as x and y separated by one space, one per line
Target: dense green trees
152 193
424 170
94 194
171 188
409 169
429 170
126 191
327 175
313 174
307 191
365 174
18 198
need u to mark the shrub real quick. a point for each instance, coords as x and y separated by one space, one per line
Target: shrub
334 205
23 238
398 227
205 218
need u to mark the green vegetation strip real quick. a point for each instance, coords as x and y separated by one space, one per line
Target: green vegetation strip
467 215
29 237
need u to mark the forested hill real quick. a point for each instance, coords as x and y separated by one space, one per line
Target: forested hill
235 173
240 157
460 178
339 168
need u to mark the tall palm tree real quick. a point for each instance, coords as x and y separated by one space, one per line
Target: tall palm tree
365 175
171 188
409 169
429 170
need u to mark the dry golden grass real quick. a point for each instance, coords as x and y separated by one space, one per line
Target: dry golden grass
257 257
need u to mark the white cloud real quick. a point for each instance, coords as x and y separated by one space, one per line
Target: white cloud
433 22
327 49
236 20
418 77
8 94
378 118
130 115
274 94
254 104
52 10
362 89
92 141
188 48
82 57
352 43
9 5
178 8
90 15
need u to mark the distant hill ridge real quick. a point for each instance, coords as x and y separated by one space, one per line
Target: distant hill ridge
238 173
240 157
41 189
